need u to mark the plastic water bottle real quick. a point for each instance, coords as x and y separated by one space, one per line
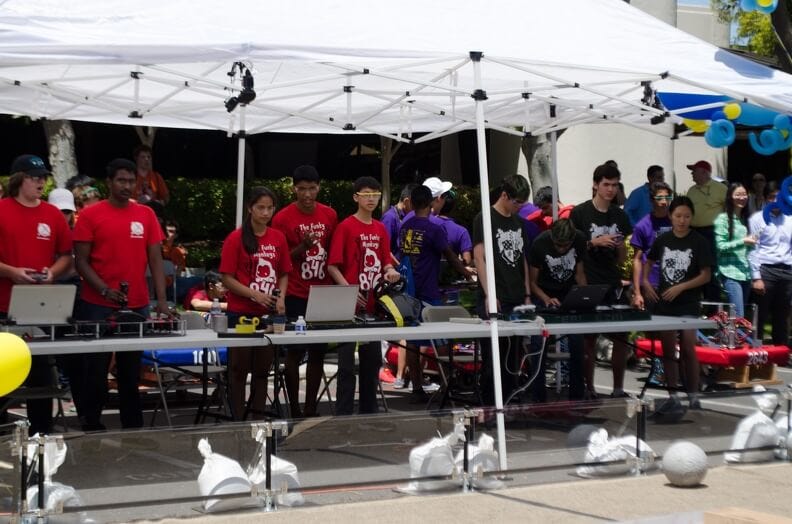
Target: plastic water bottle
216 309
300 328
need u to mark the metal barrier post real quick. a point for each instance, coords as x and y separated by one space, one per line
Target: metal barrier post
268 429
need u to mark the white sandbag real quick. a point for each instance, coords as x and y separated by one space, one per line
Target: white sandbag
620 450
58 495
221 475
434 459
54 455
755 430
782 425
284 474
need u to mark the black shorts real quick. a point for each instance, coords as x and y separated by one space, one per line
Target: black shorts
672 309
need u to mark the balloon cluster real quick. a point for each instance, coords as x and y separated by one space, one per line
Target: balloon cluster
783 201
764 6
14 362
719 129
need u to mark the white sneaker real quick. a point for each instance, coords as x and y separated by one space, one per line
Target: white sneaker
398 383
431 388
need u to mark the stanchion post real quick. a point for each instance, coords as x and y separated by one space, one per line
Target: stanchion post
20 449
268 428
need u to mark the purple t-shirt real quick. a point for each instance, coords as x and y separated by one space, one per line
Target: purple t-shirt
458 236
392 220
423 242
644 234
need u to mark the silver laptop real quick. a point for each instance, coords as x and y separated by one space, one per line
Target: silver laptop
331 303
42 305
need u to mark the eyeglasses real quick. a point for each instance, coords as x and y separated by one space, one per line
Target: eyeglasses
661 198
37 178
369 195
517 202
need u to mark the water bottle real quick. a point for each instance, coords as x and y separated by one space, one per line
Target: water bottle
300 327
216 309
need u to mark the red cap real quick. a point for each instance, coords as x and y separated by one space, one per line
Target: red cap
701 164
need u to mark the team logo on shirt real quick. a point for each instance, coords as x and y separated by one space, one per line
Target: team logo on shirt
412 241
675 264
314 264
136 229
561 268
510 245
598 231
43 231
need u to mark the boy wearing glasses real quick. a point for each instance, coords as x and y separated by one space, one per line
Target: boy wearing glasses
646 231
308 226
360 255
512 287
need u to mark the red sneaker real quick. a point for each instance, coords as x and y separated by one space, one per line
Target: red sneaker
386 375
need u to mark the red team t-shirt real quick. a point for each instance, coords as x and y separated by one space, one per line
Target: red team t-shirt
30 237
360 251
120 238
312 266
259 271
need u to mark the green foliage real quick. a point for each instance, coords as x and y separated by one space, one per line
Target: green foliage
758 30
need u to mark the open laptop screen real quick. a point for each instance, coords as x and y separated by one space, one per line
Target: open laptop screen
331 303
42 304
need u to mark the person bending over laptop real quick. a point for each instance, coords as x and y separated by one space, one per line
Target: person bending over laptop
255 266
556 264
35 248
360 254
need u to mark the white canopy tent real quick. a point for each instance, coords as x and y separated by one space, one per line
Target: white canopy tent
356 66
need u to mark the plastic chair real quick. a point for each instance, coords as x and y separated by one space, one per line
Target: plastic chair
455 366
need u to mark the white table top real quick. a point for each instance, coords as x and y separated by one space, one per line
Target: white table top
200 338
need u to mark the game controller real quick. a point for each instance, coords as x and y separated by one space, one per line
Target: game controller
38 276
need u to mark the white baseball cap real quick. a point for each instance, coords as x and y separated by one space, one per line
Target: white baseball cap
63 199
437 186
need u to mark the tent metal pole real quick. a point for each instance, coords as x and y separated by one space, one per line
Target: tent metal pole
489 255
554 172
240 202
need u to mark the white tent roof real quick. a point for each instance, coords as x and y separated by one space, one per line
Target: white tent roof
165 63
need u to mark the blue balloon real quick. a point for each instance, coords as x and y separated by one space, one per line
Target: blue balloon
748 5
674 101
768 143
785 197
766 212
752 115
720 133
767 10
782 122
718 115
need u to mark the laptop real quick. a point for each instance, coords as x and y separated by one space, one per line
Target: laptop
584 298
331 304
42 305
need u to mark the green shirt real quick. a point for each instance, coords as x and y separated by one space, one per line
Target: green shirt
708 201
732 254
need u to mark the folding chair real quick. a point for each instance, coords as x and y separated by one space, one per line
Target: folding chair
456 365
195 369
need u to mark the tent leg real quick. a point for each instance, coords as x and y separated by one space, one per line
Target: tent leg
554 171
240 196
489 255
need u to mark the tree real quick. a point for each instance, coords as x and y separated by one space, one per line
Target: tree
60 143
769 36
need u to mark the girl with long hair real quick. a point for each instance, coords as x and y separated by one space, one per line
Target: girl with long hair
255 265
732 243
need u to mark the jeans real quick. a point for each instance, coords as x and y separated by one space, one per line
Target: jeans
737 293
88 377
370 361
577 387
774 304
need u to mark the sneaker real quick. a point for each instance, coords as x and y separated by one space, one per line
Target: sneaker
418 397
590 394
431 387
694 402
399 383
619 393
670 410
386 375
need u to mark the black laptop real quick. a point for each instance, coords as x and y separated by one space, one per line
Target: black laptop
583 298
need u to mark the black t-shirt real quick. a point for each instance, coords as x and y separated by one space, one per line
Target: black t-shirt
556 270
681 259
600 265
509 241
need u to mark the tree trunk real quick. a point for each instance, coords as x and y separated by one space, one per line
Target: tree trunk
783 30
60 143
146 135
537 155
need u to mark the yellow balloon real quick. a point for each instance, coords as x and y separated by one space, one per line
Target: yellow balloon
764 3
699 126
14 362
732 111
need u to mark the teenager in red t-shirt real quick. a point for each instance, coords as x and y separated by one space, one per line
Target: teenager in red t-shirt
115 241
255 266
360 255
35 247
308 226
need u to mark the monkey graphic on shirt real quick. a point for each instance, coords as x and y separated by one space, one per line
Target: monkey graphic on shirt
562 268
675 264
510 245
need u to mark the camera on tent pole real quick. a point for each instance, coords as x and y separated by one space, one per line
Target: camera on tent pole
247 95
